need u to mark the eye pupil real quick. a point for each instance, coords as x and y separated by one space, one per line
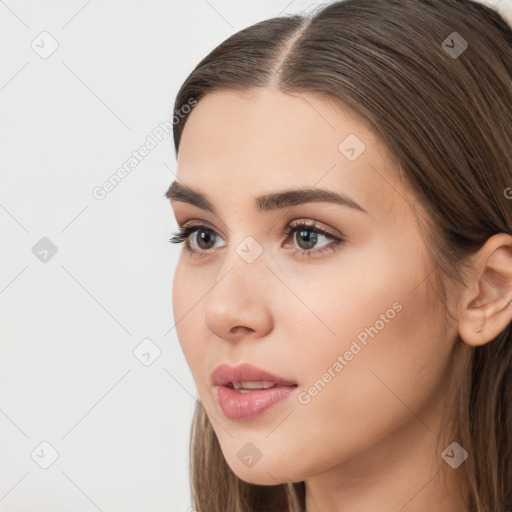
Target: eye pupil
310 239
204 236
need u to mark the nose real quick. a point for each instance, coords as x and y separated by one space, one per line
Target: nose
238 305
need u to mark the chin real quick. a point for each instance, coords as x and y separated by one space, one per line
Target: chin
265 472
260 476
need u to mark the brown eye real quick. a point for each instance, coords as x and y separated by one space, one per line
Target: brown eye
204 241
306 238
204 238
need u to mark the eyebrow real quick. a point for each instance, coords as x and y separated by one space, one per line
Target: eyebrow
267 202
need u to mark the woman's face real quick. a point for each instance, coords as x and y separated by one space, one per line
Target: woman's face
349 323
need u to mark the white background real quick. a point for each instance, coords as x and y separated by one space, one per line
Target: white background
69 325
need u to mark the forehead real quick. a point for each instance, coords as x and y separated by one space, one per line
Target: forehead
251 142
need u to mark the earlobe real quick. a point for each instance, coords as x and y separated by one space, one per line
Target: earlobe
488 297
472 327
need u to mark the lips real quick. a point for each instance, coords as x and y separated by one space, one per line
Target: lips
245 392
225 375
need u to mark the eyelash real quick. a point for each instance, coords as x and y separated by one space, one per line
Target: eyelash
183 235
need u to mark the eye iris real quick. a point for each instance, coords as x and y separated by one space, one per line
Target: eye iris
204 236
310 239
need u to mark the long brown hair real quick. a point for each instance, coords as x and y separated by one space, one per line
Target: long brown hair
445 112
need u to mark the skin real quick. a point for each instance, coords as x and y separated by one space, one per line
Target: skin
368 440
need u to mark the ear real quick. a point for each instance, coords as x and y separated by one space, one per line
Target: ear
488 297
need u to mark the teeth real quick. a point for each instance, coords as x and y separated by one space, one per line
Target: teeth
261 384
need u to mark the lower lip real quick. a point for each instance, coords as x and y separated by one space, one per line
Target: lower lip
244 406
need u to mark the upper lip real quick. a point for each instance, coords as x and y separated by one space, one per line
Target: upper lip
225 374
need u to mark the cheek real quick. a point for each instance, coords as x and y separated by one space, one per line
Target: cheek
187 314
387 359
189 298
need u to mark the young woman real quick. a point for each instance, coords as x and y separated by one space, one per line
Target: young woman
344 293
